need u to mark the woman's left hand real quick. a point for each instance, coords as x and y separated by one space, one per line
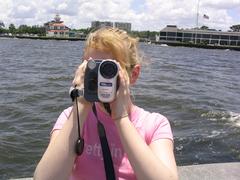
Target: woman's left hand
120 107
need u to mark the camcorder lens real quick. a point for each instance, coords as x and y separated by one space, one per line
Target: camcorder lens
108 69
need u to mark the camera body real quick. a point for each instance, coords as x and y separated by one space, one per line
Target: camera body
101 80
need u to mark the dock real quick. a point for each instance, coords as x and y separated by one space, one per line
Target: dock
216 171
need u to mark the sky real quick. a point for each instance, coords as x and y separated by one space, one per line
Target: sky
150 15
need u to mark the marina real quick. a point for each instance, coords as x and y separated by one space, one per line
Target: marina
196 89
190 70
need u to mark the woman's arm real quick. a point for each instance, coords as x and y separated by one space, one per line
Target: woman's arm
58 160
155 161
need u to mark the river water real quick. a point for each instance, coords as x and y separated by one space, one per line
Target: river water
197 89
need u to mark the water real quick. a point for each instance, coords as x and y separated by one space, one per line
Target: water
197 89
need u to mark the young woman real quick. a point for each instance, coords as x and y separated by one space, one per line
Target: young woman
140 142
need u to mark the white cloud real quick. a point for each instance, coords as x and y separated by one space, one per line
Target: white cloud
150 14
23 12
221 4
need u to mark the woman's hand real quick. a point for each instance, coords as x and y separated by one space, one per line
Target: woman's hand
120 107
78 82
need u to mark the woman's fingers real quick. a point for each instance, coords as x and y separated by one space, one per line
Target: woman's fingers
124 84
124 79
120 105
79 74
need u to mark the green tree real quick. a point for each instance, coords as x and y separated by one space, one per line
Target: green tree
144 34
12 28
84 31
2 30
23 29
235 28
204 28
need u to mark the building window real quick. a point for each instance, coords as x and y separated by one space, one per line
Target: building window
163 33
224 37
172 34
233 43
214 41
170 38
234 37
215 36
223 42
187 39
199 35
179 34
187 34
179 39
55 33
207 36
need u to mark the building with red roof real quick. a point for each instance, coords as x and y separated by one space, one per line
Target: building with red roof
56 28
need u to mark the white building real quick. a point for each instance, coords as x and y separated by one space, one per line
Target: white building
100 24
56 28
123 25
171 33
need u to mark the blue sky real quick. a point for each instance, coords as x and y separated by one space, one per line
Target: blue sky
138 5
143 14
235 14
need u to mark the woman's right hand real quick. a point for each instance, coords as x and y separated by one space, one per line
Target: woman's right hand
78 82
63 141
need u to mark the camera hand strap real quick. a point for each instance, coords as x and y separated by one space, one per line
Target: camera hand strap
107 157
74 94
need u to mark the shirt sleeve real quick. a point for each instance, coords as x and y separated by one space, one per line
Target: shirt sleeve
161 128
62 119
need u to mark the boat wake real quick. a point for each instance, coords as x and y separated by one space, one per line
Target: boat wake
231 117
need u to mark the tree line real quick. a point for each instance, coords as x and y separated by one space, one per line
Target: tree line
24 29
234 28
41 31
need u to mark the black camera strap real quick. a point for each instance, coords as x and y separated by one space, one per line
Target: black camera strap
107 157
107 107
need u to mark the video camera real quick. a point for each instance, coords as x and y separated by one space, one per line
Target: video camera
101 80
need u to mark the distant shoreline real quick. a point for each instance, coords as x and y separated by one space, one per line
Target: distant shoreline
192 45
51 38
45 38
204 46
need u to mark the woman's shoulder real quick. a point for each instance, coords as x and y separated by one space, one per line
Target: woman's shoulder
63 117
149 117
67 111
155 125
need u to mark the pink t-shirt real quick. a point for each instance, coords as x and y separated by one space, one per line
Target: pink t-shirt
90 165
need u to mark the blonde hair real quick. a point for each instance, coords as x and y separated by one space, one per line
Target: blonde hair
122 46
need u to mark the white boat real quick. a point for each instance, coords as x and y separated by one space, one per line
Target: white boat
163 45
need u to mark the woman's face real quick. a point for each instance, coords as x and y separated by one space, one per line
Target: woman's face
97 54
